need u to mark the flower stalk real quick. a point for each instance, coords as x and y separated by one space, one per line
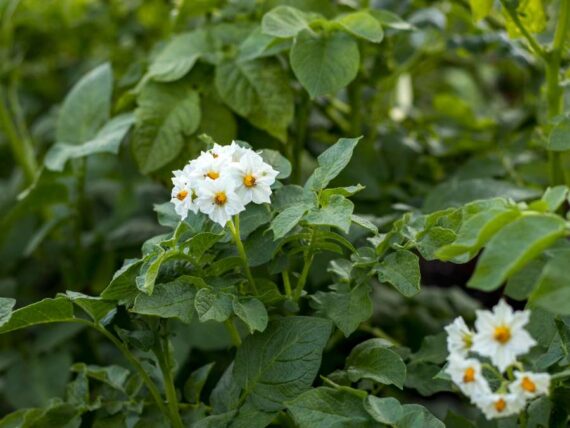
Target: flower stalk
234 229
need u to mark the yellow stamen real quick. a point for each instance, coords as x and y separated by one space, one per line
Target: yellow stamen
469 375
500 405
528 385
249 180
502 334
220 198
213 174
182 195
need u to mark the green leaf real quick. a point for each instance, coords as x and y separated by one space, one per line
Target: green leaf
362 24
331 162
285 21
336 214
373 360
480 8
326 194
416 416
325 63
282 362
114 376
520 285
552 291
96 307
212 304
346 307
259 91
287 219
514 246
123 286
6 306
554 197
179 56
195 383
325 407
278 162
252 312
166 114
391 20
559 138
107 140
385 410
252 218
169 300
86 107
42 312
402 270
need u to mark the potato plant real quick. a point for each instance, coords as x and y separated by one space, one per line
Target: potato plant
284 213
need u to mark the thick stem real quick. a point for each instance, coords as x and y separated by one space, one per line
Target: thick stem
308 261
162 352
287 284
236 338
234 229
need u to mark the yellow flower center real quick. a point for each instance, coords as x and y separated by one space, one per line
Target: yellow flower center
220 198
182 195
468 341
249 180
502 334
528 385
469 375
500 405
213 174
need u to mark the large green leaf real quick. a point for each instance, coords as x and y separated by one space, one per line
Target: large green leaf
416 416
331 162
86 108
107 140
373 360
285 21
514 246
282 362
362 24
552 290
337 213
327 407
287 219
43 312
179 56
402 270
213 304
386 410
259 91
325 63
123 284
169 300
166 114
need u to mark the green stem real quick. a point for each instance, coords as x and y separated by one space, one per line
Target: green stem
162 352
287 284
234 333
379 333
21 148
536 48
154 392
308 261
234 228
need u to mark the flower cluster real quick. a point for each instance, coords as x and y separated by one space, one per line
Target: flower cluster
501 337
221 182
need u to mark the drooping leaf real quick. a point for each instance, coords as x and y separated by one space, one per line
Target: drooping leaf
324 64
166 114
282 362
514 246
259 91
86 108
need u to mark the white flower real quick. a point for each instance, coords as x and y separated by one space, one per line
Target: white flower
217 199
501 335
183 194
500 405
232 151
467 375
530 385
254 178
459 337
206 167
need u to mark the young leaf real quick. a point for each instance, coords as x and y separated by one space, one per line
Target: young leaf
402 270
179 56
325 407
259 91
336 214
252 312
107 140
282 362
325 63
331 162
373 360
514 246
169 300
42 312
213 304
166 114
362 24
86 108
285 21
